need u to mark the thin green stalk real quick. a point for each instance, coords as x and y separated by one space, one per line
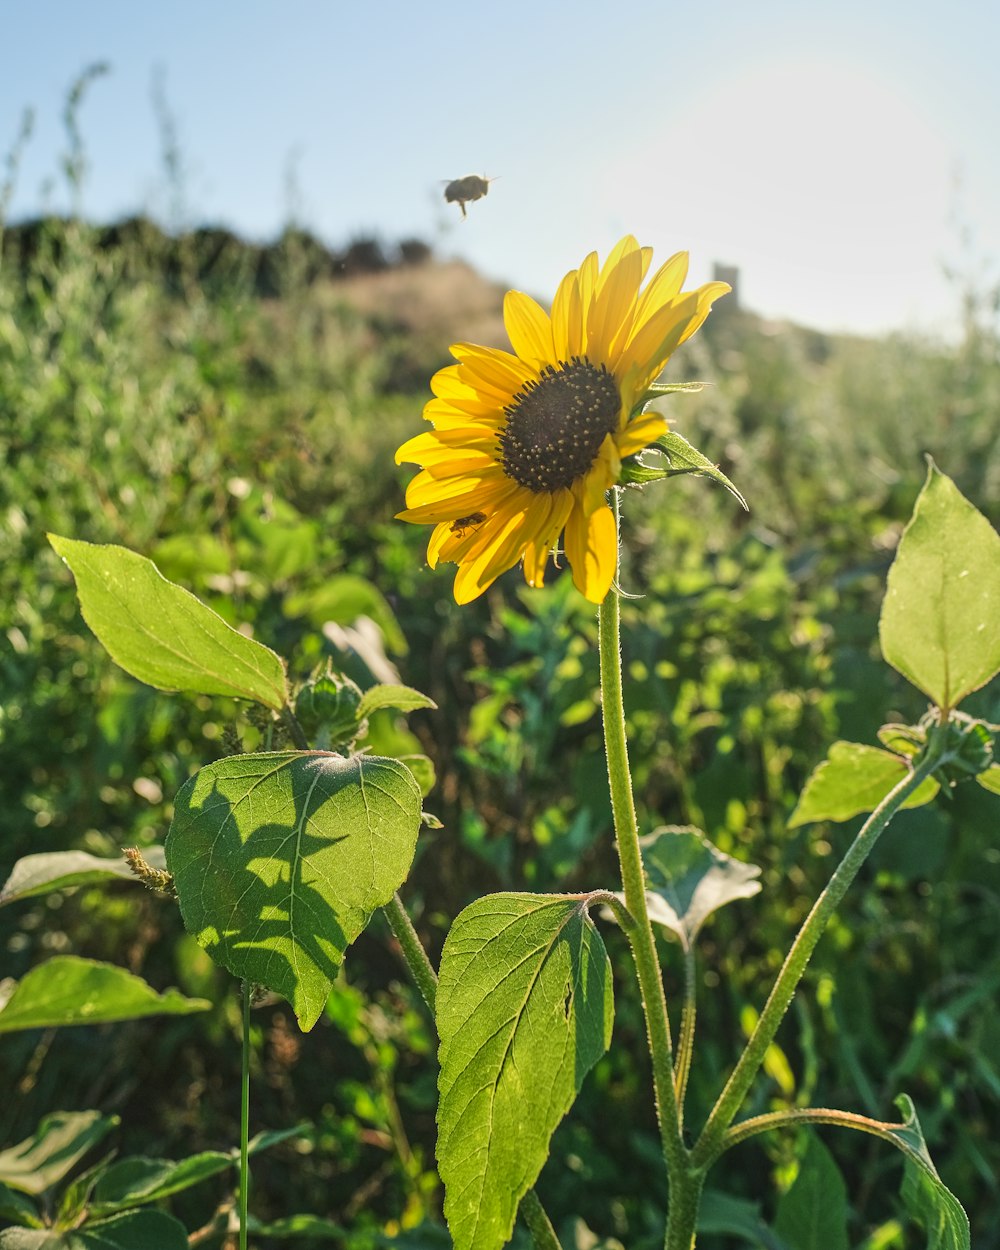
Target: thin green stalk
808 1115
245 1119
738 1085
641 938
417 959
685 1043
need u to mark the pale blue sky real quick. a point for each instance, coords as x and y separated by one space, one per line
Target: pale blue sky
827 149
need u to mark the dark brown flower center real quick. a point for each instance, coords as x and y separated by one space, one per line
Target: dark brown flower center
555 426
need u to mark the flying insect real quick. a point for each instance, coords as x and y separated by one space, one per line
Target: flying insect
462 191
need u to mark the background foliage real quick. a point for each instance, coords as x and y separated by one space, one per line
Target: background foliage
231 412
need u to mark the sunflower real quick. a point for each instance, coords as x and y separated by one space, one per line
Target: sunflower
526 445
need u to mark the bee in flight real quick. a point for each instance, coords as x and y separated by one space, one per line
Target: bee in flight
465 523
462 191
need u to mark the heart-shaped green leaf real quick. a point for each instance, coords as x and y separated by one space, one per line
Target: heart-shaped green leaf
161 633
688 878
68 990
854 778
940 622
524 1011
279 861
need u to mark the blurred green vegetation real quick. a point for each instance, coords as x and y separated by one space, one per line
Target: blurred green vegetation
231 412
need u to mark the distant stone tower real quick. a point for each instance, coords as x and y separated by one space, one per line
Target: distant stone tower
730 274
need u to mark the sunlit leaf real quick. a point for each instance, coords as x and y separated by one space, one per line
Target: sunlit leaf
854 778
524 1011
990 779
688 878
940 622
59 870
150 1230
67 990
405 698
53 1150
812 1214
279 861
161 633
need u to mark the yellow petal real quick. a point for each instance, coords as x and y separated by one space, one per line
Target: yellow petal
651 344
567 319
664 285
707 295
496 369
645 429
613 309
437 446
592 551
529 327
430 500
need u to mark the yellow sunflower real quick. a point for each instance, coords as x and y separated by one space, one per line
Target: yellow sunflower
526 445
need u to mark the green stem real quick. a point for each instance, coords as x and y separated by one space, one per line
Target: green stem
738 1085
295 730
417 960
654 1003
245 1119
808 1115
685 1043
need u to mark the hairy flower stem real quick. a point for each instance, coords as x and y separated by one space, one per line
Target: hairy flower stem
731 1099
654 1003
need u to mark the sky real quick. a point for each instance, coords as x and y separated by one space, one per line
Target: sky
842 155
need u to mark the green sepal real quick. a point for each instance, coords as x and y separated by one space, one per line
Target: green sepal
680 458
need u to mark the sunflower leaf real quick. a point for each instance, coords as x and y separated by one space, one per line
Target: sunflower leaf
152 1230
59 870
403 698
57 1145
940 621
161 633
524 1011
137 1181
990 779
280 859
688 878
68 990
854 778
924 1194
812 1215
